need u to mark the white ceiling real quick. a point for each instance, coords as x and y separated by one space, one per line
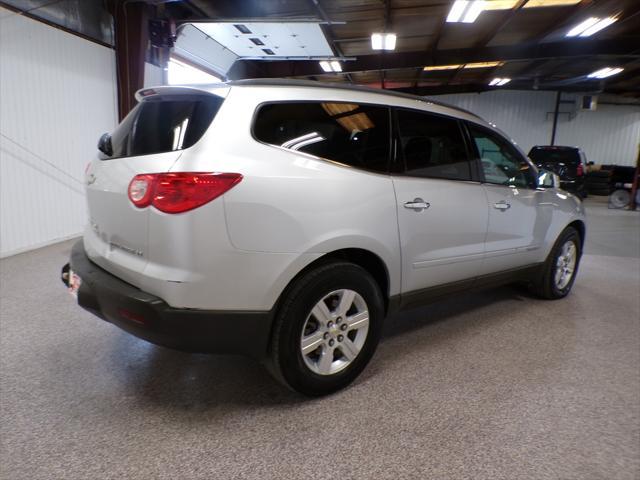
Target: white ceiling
283 39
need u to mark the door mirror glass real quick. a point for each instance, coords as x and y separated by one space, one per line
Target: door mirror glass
104 144
547 179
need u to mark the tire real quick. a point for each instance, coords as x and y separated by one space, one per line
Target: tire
600 174
344 343
547 285
620 198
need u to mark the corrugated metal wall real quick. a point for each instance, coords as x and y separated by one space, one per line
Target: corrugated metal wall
608 135
57 95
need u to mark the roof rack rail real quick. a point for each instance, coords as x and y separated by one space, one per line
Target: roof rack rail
287 82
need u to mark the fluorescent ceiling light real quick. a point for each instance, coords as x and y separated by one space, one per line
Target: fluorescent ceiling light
550 3
590 26
498 82
510 4
383 41
578 29
474 11
432 68
376 41
466 11
484 64
605 72
458 8
333 66
602 24
390 41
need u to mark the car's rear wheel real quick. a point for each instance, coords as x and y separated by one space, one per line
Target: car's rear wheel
560 269
326 329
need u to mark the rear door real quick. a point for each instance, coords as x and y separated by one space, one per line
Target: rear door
149 140
442 208
518 215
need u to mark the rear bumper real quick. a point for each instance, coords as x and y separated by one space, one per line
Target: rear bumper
150 318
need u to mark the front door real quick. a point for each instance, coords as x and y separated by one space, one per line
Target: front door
518 216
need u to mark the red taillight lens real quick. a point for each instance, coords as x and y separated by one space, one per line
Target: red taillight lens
179 192
579 170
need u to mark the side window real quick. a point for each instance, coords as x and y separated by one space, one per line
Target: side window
356 135
501 162
433 146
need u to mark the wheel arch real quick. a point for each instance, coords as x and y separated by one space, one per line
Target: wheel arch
364 258
581 228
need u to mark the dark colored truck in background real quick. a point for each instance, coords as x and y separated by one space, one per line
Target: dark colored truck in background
569 163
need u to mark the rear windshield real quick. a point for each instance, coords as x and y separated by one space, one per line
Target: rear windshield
164 124
548 155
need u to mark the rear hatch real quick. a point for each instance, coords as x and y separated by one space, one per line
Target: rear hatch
566 162
151 139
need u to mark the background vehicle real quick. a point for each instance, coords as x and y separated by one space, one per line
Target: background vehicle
569 163
286 219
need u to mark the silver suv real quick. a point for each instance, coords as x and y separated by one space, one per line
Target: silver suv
286 219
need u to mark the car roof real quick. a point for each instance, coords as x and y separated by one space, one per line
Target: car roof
288 82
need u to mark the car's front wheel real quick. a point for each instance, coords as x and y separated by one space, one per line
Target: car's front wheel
560 269
326 329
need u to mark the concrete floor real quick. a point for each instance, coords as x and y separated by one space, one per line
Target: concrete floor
495 385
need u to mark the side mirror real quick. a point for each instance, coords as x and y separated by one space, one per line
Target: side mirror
547 179
104 144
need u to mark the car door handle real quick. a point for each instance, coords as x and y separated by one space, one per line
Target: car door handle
417 204
502 205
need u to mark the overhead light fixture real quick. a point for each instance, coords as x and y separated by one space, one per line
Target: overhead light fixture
510 4
605 72
498 82
550 3
432 68
383 41
333 66
465 11
484 64
590 26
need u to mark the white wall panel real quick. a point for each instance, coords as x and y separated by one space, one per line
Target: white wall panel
608 135
57 95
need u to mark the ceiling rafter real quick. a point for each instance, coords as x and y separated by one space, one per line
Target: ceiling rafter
328 31
627 47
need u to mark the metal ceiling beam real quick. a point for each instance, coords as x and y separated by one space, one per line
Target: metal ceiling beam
624 47
328 31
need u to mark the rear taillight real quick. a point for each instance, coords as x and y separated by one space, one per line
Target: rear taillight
179 192
141 190
579 170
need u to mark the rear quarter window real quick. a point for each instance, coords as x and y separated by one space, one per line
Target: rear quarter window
353 134
164 124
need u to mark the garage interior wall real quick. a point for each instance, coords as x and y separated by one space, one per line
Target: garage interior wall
608 135
57 96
